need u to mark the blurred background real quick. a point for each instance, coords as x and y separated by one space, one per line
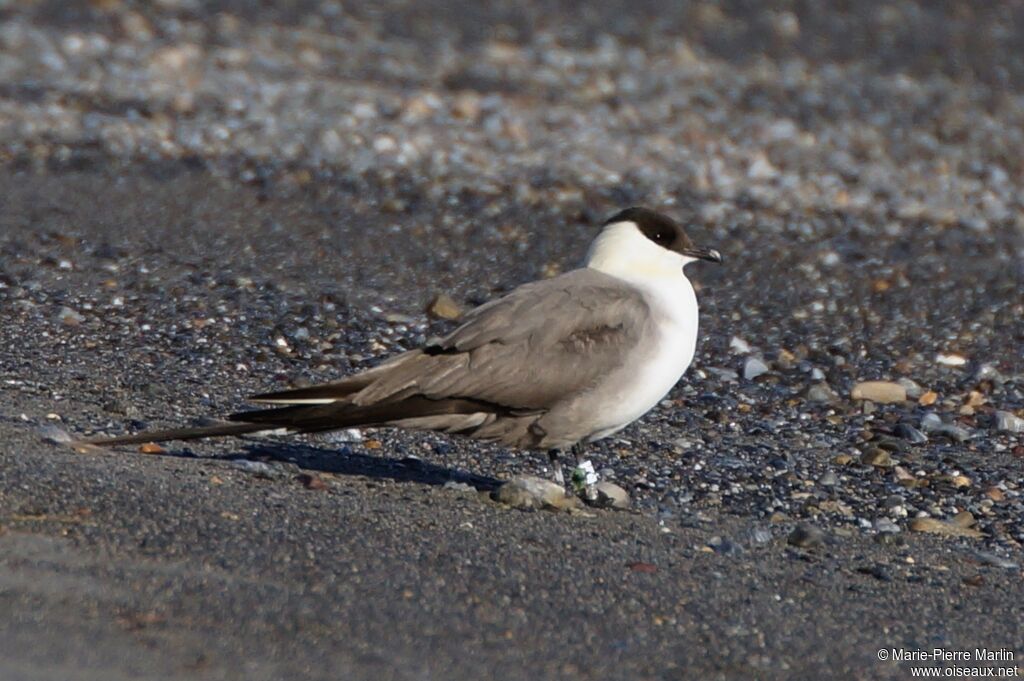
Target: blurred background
881 110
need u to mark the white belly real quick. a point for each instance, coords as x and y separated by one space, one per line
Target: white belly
640 385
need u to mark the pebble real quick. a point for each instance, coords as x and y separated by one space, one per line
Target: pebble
739 346
941 527
457 486
444 307
806 536
821 392
70 317
950 360
610 495
886 526
930 422
257 468
829 479
877 457
724 546
1009 422
877 571
953 432
530 493
913 390
986 558
883 392
754 367
910 433
341 436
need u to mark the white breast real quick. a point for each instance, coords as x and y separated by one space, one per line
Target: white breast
659 363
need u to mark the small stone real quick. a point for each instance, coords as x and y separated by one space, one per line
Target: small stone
806 536
954 432
829 479
444 307
964 519
975 399
910 433
152 448
950 359
931 423
312 482
457 486
739 346
987 372
821 392
257 468
754 367
467 105
914 390
610 495
877 457
529 493
842 459
69 317
883 392
1009 422
992 559
995 494
761 169
928 399
724 545
340 436
877 571
941 527
902 474
886 526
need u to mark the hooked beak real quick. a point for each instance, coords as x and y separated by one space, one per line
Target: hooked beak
708 254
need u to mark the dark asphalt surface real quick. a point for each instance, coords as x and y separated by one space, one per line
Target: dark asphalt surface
141 292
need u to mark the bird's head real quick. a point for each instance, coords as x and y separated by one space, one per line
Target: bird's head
639 242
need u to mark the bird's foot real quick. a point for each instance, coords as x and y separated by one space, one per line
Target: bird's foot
584 481
556 465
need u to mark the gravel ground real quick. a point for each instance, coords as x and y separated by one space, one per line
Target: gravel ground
205 200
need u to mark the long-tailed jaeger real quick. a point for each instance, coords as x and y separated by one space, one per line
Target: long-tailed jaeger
553 365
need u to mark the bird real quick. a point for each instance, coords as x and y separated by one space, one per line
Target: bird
553 365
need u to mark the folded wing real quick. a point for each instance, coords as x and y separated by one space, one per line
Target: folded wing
544 342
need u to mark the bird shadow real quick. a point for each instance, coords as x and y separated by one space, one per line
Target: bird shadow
305 458
345 462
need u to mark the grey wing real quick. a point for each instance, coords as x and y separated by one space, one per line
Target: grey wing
543 342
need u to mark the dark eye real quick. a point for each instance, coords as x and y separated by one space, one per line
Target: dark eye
662 238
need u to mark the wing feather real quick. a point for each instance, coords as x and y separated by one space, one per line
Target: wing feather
542 343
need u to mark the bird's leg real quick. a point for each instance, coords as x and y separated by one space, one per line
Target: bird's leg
584 478
556 466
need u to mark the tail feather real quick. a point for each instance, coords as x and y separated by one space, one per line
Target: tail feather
310 418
